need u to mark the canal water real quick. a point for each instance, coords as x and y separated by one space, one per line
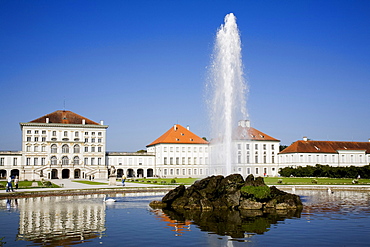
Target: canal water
341 218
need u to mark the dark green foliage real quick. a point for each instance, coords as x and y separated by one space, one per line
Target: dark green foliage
173 181
326 171
258 193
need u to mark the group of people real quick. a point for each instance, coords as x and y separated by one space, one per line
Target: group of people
9 185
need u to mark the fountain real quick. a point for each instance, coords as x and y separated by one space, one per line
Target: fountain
226 94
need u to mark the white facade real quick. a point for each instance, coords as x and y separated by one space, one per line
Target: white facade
180 160
333 153
132 164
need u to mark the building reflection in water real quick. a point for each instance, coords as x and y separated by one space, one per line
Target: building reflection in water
232 223
62 220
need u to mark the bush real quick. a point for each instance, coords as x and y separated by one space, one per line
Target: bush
314 181
173 181
257 192
280 181
48 184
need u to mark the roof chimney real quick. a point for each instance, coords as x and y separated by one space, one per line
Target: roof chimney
244 123
83 121
175 127
188 127
101 122
305 138
47 120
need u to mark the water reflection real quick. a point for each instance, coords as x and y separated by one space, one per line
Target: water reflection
61 221
235 224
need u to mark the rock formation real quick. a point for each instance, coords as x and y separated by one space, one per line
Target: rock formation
231 192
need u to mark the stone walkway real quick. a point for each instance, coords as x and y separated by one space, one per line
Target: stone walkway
70 185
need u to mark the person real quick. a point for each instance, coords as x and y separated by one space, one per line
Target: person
123 180
9 185
16 180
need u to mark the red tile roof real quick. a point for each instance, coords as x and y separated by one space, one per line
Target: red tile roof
325 146
179 135
249 133
63 117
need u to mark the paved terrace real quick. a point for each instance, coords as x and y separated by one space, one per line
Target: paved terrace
69 187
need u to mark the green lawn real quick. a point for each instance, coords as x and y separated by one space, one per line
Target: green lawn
320 181
28 185
268 181
89 182
186 181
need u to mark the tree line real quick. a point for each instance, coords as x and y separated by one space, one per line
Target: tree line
326 171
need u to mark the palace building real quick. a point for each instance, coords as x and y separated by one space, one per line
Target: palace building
66 145
333 153
61 144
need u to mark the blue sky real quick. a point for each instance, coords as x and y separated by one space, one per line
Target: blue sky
141 66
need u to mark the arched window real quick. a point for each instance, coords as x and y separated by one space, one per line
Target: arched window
53 160
76 149
65 160
76 160
53 149
65 149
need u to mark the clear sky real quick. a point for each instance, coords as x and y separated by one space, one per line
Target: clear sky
141 66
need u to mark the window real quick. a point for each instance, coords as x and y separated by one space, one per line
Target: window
165 160
256 158
264 146
99 161
171 161
92 139
189 161
65 160
36 139
99 133
239 146
93 133
195 160
92 149
28 139
92 161
42 161
99 140
165 149
65 133
35 161
15 161
183 160
177 160
256 146
28 149
28 131
53 160
247 146
65 149
36 148
86 149
44 132
76 160
36 131
86 161
76 134
2 161
76 149
272 147
99 149
171 149
273 159
86 139
54 133
28 161
256 170
43 139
